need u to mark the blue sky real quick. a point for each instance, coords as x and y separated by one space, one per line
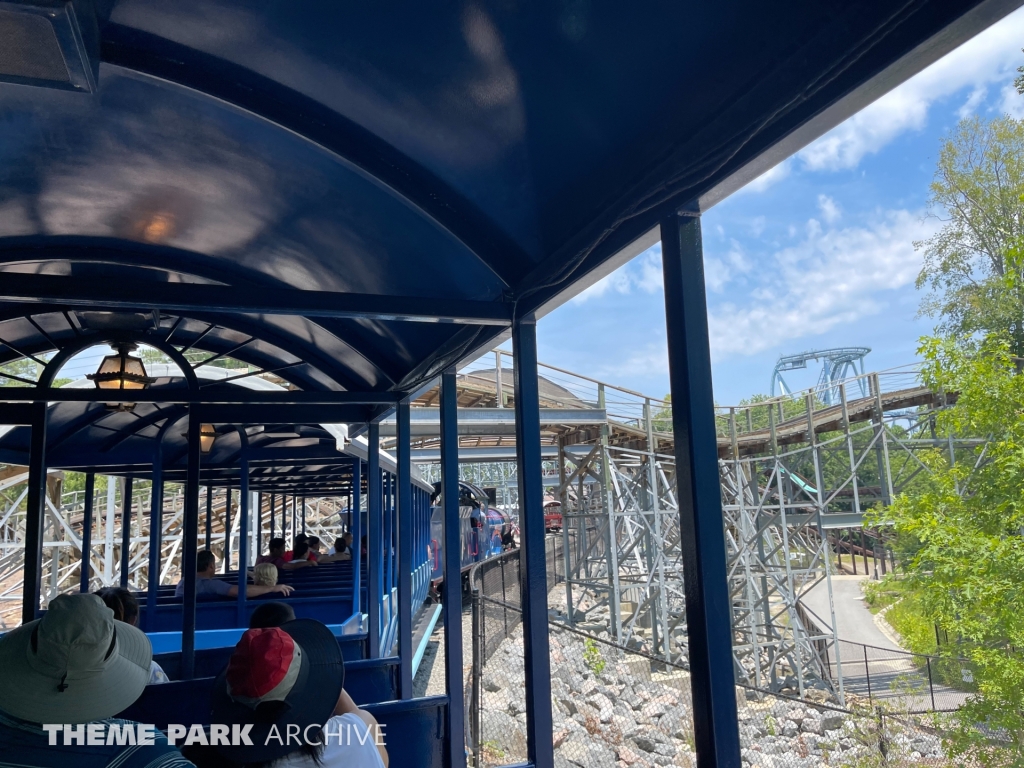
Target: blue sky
816 253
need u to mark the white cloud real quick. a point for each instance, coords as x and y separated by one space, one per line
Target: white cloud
991 57
757 225
829 210
618 281
643 272
832 276
970 106
768 178
1011 102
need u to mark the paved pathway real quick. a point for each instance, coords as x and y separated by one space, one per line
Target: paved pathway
854 622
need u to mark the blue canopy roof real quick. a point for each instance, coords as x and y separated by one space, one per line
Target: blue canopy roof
218 161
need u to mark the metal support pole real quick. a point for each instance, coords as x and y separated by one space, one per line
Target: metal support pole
227 531
284 520
34 508
375 545
209 516
357 534
188 548
156 510
302 512
533 567
451 587
258 544
126 530
404 456
499 386
273 505
702 539
243 527
90 497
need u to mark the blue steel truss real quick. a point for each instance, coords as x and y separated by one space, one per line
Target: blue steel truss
836 365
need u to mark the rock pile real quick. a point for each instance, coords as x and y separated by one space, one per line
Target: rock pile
610 711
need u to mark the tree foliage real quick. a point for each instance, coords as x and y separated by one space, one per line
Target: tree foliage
973 266
968 573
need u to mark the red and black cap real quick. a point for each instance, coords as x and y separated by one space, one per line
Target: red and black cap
278 676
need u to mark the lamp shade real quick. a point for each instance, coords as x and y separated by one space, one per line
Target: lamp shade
122 371
207 434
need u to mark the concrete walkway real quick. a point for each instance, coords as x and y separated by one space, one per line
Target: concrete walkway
854 622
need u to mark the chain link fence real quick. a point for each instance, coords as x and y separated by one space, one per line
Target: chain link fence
614 707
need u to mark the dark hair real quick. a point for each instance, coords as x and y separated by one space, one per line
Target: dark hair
204 560
275 543
313 541
121 602
300 537
272 614
300 550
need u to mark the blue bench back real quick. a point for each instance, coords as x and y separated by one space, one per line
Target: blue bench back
222 614
414 733
210 661
369 681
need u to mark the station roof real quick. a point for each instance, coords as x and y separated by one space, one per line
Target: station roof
301 185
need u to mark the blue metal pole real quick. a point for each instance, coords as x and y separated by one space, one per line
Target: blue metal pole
189 538
33 577
451 587
702 540
259 524
156 509
227 532
532 560
243 528
90 498
357 481
126 531
209 516
389 540
284 521
405 540
374 546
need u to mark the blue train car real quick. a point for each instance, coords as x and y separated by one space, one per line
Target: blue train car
484 531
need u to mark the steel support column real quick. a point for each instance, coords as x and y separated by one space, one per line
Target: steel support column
126 531
209 516
357 533
156 509
708 607
188 549
404 457
451 587
375 546
533 575
90 497
35 503
227 531
243 526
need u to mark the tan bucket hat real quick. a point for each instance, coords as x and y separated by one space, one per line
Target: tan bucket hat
74 665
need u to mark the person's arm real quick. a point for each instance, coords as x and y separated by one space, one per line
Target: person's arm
291 565
255 591
346 555
346 706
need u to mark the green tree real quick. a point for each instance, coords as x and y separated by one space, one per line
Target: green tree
968 574
973 265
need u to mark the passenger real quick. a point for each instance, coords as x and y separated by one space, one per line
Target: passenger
76 665
264 575
339 546
302 554
340 551
206 584
272 614
300 538
280 678
126 608
276 557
